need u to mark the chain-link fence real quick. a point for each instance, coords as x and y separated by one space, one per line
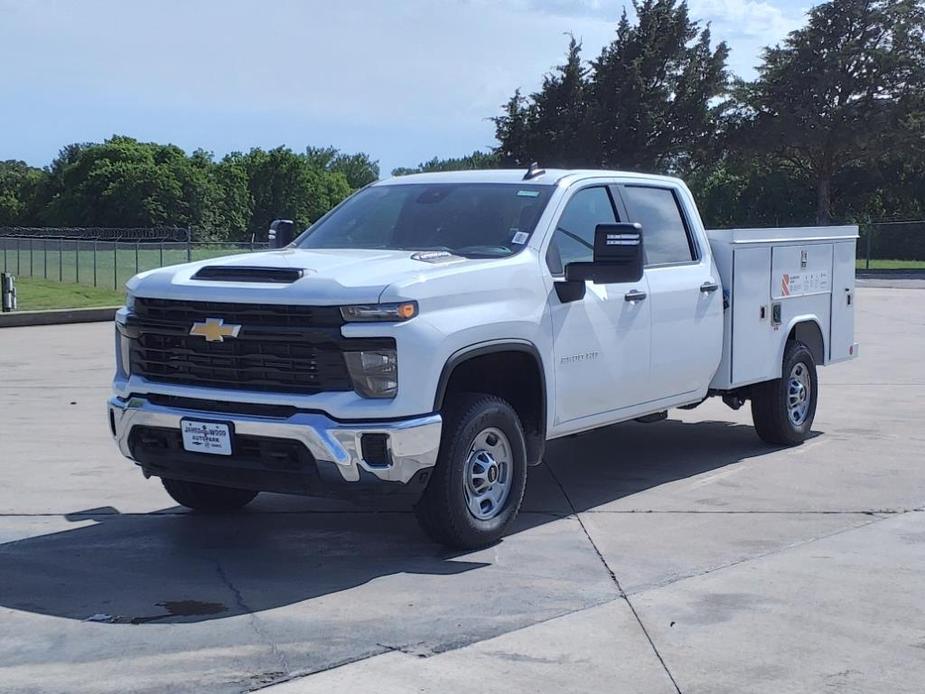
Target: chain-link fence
103 257
109 257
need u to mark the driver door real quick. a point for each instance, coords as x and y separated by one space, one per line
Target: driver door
602 341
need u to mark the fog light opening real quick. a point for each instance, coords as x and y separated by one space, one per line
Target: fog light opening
375 450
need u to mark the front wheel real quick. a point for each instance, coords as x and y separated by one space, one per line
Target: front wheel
207 497
783 409
478 483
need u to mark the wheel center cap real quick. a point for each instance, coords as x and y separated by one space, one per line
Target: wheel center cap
492 474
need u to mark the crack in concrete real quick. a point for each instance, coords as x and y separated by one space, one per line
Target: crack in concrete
616 582
254 621
302 674
427 652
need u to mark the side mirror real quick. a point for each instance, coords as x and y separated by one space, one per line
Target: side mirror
280 234
617 256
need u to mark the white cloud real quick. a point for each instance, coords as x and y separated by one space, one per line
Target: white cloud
749 18
746 25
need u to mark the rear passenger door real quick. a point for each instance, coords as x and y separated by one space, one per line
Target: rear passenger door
685 296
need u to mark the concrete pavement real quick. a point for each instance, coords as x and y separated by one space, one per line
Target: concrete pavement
679 556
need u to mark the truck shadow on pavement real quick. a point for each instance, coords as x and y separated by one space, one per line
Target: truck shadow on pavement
176 566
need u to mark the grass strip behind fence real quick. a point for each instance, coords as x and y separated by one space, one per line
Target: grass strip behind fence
39 294
881 264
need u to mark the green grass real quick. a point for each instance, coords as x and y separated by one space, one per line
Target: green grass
38 294
878 264
62 262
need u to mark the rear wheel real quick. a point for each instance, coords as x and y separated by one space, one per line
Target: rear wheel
207 497
478 483
783 409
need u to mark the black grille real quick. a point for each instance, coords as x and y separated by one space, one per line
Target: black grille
242 363
172 311
279 348
228 408
257 462
147 443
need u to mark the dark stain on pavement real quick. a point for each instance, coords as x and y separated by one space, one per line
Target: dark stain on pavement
181 608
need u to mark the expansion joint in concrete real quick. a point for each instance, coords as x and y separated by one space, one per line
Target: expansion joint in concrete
616 581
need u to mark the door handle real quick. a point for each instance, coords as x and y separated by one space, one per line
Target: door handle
709 287
635 296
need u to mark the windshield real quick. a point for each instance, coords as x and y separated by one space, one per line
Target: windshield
475 220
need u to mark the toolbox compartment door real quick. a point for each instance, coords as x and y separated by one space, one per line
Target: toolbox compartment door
842 334
754 350
801 270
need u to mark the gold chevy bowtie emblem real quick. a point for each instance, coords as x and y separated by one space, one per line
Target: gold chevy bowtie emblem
214 330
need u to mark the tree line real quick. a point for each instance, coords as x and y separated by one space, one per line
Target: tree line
126 183
832 128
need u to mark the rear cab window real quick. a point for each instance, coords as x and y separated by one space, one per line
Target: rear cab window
667 238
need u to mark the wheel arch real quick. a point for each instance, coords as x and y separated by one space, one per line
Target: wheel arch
516 363
806 329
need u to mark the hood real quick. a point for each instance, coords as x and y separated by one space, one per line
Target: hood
328 277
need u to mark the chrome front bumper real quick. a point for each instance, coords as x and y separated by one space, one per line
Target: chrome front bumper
412 443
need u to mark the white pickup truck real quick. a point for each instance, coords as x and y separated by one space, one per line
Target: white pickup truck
431 333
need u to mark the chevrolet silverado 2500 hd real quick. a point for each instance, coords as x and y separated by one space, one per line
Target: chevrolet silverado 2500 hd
431 333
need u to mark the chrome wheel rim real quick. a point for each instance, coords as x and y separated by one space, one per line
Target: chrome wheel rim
487 476
799 393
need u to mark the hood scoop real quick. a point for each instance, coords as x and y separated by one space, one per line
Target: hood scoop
249 273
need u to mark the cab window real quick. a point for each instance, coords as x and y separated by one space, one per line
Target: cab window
665 236
573 239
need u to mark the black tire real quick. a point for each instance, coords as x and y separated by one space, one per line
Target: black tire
443 510
207 497
770 406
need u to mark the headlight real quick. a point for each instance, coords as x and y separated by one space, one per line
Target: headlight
380 312
129 301
125 353
374 373
124 347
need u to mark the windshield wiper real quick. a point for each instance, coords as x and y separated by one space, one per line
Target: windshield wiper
576 237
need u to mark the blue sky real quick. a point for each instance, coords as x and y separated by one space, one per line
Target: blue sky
403 80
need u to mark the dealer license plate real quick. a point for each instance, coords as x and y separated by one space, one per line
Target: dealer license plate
206 437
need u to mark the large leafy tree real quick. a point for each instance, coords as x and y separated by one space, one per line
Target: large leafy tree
846 90
126 183
654 91
284 184
20 191
358 169
121 182
650 101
